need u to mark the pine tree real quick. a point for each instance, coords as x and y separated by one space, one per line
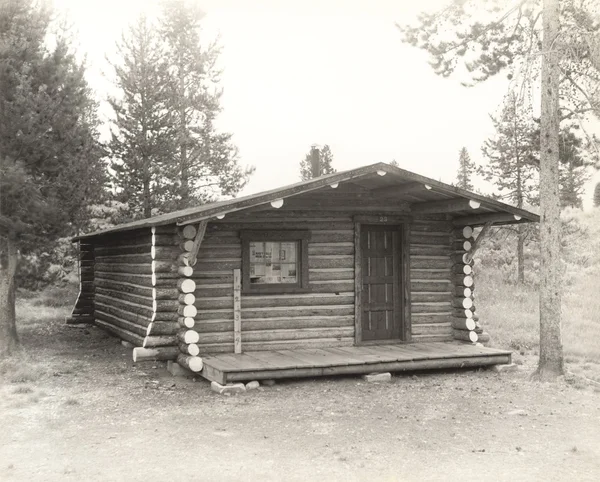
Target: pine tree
597 195
511 156
528 41
206 162
142 144
50 160
325 163
466 168
574 162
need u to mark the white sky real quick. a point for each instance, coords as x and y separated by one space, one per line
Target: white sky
331 72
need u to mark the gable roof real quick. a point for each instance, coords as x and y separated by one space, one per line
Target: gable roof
438 195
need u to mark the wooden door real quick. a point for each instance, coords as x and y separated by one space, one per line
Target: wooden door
382 307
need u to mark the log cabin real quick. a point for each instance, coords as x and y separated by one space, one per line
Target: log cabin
360 271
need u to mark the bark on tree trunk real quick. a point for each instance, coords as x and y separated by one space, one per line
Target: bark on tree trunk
9 339
551 351
520 256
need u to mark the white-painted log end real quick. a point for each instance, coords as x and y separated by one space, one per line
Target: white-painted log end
428 187
191 336
517 217
277 203
334 185
220 216
467 232
474 204
381 173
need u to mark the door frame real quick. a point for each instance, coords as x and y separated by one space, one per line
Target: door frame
404 276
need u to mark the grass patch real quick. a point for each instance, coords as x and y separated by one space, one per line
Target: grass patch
20 368
71 401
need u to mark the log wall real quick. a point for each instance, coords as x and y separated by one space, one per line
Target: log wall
323 317
134 292
83 311
431 280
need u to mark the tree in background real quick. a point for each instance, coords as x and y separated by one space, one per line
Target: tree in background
597 195
143 138
325 163
511 156
575 161
551 40
466 169
50 161
206 161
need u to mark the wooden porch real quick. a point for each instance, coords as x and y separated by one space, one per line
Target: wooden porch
261 365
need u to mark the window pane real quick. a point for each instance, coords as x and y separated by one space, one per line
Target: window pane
273 262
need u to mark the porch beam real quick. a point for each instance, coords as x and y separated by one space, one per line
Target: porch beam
495 218
406 188
447 206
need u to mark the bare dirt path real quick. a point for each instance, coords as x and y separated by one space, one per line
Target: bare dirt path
82 411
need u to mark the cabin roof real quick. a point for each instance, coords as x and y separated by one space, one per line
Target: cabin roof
425 195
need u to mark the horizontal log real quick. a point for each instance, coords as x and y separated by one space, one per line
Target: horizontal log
211 348
186 322
462 258
428 318
140 280
188 231
247 314
430 285
435 262
186 285
144 300
187 311
226 264
282 323
431 307
465 335
462 291
120 332
126 305
279 335
462 313
187 298
483 337
218 252
431 226
120 323
429 250
192 363
137 249
332 236
191 349
160 353
124 268
430 239
162 328
333 249
327 274
462 280
420 296
159 340
464 303
167 253
144 258
462 269
185 271
188 336
463 324
444 329
430 273
271 301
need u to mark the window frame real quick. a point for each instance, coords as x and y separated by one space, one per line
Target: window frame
300 236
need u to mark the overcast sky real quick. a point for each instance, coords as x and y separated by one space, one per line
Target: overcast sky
331 72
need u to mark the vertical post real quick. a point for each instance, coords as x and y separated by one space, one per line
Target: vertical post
237 311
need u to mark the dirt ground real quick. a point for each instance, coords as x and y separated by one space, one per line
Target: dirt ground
74 407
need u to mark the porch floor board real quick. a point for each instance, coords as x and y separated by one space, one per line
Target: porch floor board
309 362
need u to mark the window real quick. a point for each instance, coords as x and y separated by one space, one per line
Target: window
274 261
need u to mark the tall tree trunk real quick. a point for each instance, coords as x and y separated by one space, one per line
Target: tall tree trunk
9 339
185 182
551 350
520 255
